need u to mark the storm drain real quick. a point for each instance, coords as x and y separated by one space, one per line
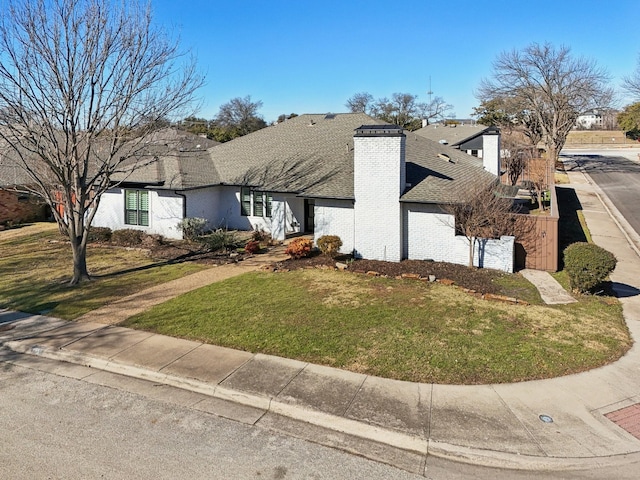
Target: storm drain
627 418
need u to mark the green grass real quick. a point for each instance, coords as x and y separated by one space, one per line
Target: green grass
411 331
35 270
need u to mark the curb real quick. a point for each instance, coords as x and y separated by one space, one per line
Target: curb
398 440
629 233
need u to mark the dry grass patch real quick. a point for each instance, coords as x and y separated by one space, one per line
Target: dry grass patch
36 266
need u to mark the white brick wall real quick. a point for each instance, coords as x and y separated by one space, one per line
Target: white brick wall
335 217
379 180
430 235
491 153
165 210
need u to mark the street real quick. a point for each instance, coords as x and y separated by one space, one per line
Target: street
55 426
617 173
58 427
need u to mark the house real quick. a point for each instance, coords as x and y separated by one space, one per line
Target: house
17 205
377 187
592 119
465 137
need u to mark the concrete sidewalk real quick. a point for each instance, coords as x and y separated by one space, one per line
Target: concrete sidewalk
400 423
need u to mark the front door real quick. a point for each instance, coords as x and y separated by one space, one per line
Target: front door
309 218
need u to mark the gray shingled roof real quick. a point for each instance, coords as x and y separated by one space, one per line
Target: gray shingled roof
310 155
182 161
451 134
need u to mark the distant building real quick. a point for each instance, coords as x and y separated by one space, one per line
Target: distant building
591 120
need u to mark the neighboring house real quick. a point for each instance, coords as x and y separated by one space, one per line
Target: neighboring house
589 120
377 187
471 139
16 204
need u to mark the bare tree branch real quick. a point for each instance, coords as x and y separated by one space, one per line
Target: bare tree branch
81 83
551 86
482 213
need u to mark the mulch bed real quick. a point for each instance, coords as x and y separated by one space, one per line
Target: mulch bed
480 280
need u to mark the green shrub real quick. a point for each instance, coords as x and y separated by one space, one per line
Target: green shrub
329 245
299 248
587 265
100 235
192 227
127 237
219 239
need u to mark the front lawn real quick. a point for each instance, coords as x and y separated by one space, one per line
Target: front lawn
403 329
35 270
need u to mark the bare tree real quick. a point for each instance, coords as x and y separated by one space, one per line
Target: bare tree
631 83
82 82
552 86
401 109
516 153
360 102
482 213
240 115
434 111
539 172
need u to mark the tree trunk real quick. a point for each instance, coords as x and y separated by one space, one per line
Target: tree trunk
80 272
471 245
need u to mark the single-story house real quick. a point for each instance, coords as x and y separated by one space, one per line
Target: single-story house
467 138
377 187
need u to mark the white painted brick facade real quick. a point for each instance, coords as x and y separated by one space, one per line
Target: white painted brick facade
430 235
491 152
379 181
165 211
335 217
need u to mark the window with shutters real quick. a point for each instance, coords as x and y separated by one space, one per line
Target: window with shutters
254 202
136 207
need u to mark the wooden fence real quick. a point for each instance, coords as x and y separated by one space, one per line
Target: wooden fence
538 247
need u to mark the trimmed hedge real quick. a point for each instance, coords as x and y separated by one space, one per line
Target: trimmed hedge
127 237
587 265
100 235
329 245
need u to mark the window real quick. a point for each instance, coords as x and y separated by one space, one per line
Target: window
136 207
254 202
245 201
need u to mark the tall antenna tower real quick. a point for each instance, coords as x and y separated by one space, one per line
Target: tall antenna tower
429 92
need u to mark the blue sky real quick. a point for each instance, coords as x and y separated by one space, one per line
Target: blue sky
310 56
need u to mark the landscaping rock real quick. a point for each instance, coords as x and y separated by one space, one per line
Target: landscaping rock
341 266
446 281
413 276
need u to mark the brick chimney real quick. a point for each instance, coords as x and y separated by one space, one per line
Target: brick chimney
379 176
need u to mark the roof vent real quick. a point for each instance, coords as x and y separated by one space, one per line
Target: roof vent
444 156
443 142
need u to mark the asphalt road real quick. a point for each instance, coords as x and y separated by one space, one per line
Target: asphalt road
55 427
617 173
